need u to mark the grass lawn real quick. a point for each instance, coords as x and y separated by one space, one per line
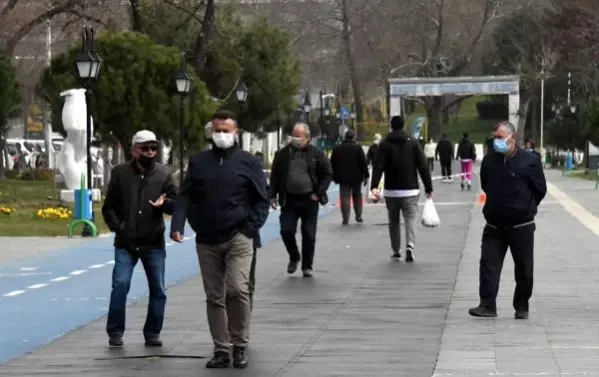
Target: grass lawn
29 196
591 176
467 121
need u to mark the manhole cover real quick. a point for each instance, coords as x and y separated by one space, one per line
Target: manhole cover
150 357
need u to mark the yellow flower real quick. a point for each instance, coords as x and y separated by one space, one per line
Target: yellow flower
54 213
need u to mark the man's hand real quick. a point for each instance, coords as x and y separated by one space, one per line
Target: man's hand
315 197
273 203
177 237
429 195
158 202
376 193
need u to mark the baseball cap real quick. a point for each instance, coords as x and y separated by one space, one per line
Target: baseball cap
144 136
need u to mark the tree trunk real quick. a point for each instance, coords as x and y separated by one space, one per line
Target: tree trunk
525 100
434 112
203 38
136 19
353 74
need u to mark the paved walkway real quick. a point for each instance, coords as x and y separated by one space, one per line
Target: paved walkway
361 314
365 315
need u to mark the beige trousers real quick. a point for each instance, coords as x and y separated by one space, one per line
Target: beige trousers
225 270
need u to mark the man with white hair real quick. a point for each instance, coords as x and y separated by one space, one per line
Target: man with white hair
300 177
514 182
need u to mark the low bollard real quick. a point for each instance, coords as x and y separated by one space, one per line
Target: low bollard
83 210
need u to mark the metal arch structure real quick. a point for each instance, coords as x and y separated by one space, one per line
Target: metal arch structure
461 86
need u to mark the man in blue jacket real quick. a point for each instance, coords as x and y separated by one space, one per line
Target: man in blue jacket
513 180
224 197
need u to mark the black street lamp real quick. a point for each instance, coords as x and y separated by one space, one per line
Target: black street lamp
307 105
183 82
241 92
88 66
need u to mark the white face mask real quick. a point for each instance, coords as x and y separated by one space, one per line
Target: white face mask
223 140
296 141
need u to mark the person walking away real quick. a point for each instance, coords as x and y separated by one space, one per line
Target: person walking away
429 152
350 171
515 185
208 136
373 149
139 193
401 159
225 200
300 177
444 153
466 153
530 147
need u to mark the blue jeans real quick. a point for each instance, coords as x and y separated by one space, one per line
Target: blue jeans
124 263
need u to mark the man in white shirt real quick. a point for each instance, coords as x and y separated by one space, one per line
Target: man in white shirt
429 153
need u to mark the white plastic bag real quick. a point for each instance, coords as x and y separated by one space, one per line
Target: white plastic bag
430 218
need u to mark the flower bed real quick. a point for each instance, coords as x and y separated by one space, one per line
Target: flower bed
7 210
58 213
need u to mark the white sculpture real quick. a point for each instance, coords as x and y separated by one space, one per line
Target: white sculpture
72 160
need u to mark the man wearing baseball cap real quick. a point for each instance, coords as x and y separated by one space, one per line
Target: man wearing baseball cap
139 193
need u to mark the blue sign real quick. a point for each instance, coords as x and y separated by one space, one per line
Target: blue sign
345 113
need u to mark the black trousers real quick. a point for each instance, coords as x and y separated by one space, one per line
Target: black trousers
252 284
495 243
446 168
431 163
305 209
347 193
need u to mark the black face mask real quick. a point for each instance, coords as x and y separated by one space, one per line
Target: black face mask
146 162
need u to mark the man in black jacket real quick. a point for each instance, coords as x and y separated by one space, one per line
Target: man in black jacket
514 183
139 193
225 200
401 159
466 153
350 172
444 153
300 177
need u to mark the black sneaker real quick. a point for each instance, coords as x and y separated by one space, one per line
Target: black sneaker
469 186
521 314
240 359
220 360
409 256
396 255
153 341
116 341
345 222
292 267
462 185
359 219
482 311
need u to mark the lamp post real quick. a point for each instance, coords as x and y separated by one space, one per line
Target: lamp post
88 66
241 92
183 82
307 106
